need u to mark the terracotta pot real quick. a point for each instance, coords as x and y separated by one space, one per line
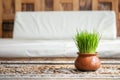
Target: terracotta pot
87 62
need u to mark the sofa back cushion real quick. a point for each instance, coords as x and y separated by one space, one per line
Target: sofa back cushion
63 25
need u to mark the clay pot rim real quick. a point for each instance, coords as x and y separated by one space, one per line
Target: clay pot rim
85 54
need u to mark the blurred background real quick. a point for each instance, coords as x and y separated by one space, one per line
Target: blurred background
8 8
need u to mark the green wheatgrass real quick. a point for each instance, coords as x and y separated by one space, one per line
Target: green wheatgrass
87 42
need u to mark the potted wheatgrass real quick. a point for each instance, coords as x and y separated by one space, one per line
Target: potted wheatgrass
87 43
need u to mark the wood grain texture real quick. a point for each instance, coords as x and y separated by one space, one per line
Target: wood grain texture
116 9
56 5
66 5
28 1
85 4
42 5
106 0
75 5
1 10
60 79
8 10
8 6
48 5
105 6
18 5
36 3
94 4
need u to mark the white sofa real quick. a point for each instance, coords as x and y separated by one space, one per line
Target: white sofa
50 34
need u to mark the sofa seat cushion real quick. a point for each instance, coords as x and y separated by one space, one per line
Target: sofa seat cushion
53 48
